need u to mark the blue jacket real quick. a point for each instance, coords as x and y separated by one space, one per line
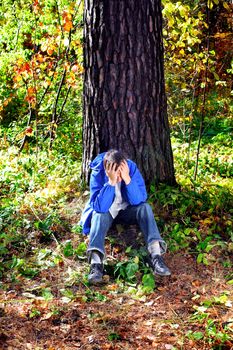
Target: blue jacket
102 194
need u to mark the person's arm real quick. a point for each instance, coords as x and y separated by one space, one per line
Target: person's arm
134 184
102 194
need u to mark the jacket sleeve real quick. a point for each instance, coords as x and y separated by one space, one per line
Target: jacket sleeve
136 189
101 194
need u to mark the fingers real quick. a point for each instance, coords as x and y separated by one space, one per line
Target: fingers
124 165
111 167
114 167
108 167
112 173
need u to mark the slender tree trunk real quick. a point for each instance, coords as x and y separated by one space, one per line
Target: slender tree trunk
124 93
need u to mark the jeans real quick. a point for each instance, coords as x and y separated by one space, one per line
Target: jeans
141 215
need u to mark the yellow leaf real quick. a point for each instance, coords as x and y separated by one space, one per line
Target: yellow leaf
225 4
210 4
171 21
177 61
200 15
182 44
207 221
17 78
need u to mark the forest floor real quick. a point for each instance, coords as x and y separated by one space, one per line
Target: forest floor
191 309
45 300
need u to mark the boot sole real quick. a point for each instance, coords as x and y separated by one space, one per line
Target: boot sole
96 282
162 274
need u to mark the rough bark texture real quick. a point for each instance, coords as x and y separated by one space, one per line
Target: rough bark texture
124 92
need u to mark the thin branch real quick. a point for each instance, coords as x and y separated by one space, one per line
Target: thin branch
57 97
28 123
47 88
54 115
204 98
63 105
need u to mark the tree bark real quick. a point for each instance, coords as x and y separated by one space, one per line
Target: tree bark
124 91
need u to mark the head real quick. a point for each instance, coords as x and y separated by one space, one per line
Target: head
114 156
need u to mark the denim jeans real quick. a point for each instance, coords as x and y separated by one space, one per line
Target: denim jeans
141 215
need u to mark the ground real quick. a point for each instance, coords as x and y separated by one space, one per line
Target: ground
188 310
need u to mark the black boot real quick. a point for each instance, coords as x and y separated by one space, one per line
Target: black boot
158 265
96 273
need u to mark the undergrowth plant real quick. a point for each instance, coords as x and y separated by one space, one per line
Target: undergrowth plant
34 190
197 215
135 271
214 332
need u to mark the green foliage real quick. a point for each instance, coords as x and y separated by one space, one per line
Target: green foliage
21 267
197 58
127 270
69 250
41 43
81 249
195 335
197 215
148 282
32 189
34 313
41 49
41 66
114 336
135 270
91 295
47 294
214 332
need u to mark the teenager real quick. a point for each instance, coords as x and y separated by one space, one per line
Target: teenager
118 194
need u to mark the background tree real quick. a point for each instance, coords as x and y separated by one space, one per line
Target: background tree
124 93
40 68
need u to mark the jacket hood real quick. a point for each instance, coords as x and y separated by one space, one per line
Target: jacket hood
97 163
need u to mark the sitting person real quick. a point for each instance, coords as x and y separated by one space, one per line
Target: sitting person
118 194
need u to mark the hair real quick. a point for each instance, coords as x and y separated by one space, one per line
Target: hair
114 156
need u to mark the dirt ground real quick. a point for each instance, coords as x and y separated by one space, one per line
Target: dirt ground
111 318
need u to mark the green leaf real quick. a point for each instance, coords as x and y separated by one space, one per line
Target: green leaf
148 282
131 269
198 335
68 249
67 293
81 249
128 249
100 297
47 294
200 258
34 313
29 272
209 247
113 336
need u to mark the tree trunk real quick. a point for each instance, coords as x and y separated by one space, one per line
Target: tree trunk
124 92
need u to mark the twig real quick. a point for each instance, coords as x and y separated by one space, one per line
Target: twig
204 97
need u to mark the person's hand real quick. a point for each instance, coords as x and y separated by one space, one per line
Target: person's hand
124 171
112 173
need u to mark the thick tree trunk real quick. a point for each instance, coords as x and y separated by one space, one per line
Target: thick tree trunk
124 92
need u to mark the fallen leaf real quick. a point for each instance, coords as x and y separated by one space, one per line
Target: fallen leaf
168 346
